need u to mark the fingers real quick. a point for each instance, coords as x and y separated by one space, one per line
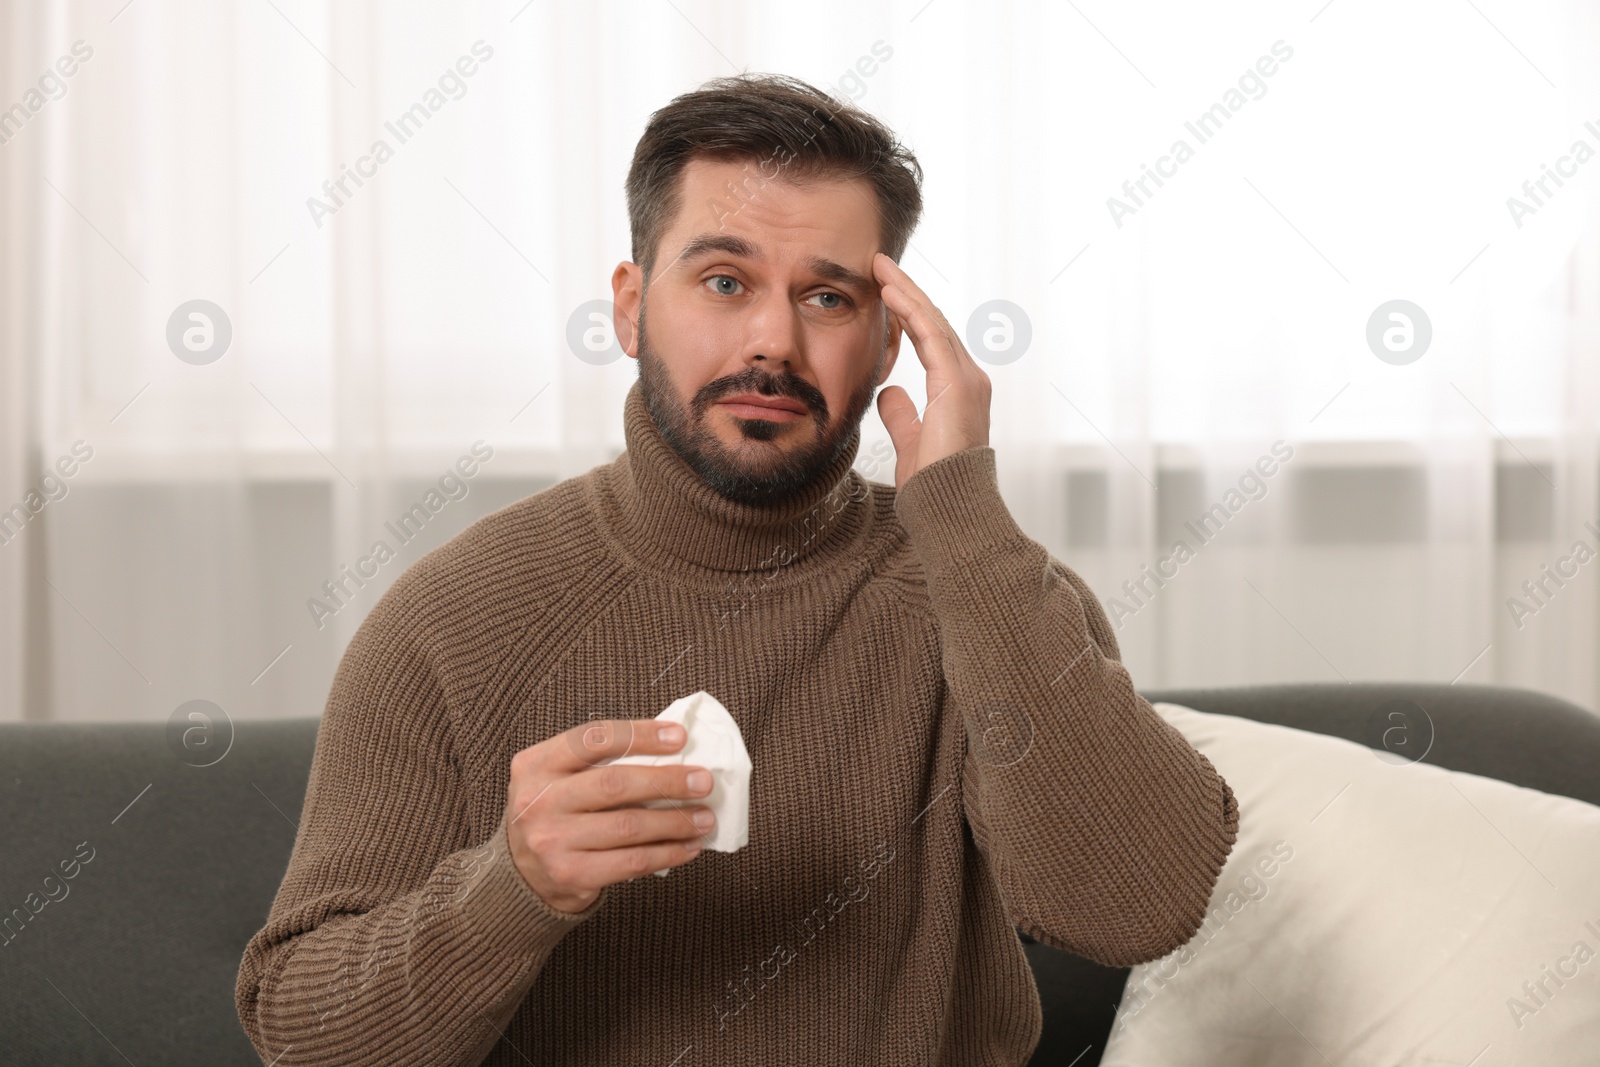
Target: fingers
576 820
601 831
899 414
592 743
592 870
935 340
934 346
597 849
627 785
896 277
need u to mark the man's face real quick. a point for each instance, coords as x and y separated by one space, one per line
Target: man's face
766 337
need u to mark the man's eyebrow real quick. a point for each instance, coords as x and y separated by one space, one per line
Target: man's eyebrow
719 242
734 245
838 272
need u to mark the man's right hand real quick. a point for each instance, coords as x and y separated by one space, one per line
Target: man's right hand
575 827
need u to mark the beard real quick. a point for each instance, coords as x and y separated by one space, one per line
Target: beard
743 480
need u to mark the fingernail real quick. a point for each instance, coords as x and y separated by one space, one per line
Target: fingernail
700 781
704 819
671 734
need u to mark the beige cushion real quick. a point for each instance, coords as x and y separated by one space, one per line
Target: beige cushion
1379 912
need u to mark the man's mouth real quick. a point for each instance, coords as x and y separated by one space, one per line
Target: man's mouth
758 406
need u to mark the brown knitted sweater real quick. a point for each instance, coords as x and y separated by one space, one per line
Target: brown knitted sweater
944 743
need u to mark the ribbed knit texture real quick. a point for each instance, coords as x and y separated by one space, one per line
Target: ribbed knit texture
944 744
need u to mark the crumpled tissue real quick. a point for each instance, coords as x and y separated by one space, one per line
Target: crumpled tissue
715 743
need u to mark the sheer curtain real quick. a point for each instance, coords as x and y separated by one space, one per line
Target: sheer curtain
405 326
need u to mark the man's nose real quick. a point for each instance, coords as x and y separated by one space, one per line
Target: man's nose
773 334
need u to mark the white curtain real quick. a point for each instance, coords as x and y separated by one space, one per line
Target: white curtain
383 331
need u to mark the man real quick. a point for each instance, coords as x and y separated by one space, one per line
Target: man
944 740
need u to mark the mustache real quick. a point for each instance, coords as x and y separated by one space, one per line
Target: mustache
751 380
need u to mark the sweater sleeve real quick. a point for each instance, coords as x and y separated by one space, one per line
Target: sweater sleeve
1105 828
394 937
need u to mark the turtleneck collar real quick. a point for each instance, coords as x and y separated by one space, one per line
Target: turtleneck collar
667 516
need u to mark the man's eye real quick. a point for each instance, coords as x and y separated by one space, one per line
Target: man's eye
839 297
719 279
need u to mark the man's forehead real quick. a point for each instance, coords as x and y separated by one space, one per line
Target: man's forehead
738 209
747 179
743 197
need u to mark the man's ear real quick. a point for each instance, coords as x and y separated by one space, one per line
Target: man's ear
891 345
627 295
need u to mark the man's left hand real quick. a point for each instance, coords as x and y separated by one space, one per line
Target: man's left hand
957 415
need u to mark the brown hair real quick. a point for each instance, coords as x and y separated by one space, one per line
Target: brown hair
790 129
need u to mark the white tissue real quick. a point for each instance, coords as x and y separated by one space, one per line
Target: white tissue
715 744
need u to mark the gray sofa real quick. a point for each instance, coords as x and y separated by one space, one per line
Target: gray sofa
173 866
